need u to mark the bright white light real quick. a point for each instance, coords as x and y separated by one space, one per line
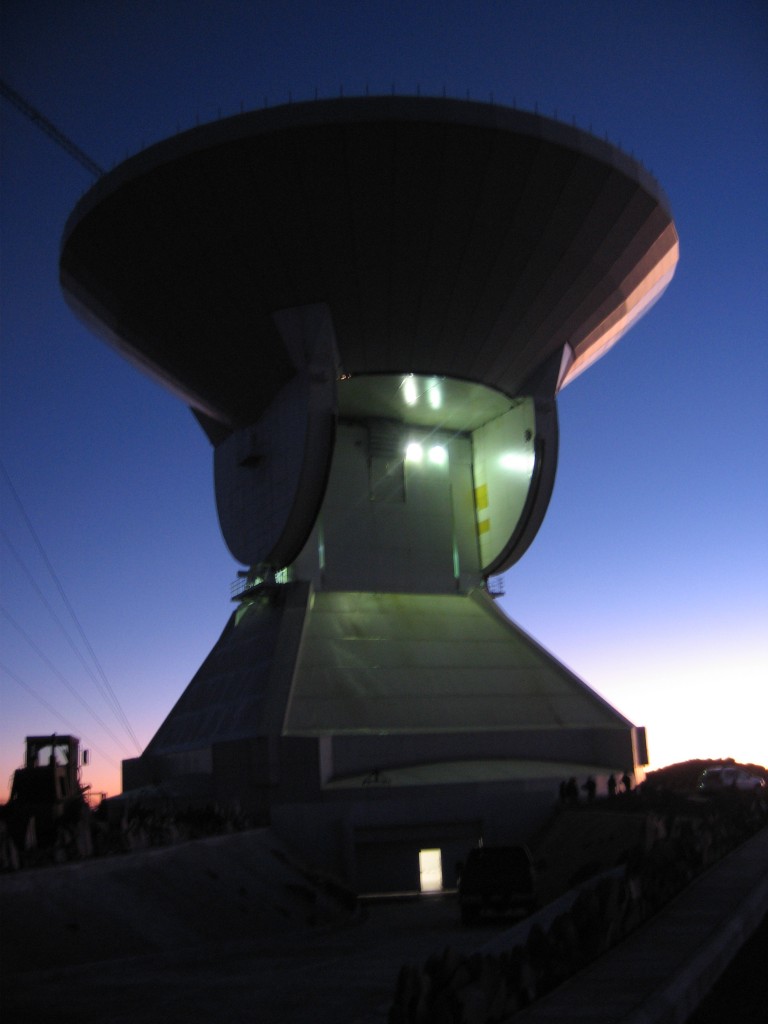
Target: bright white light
414 452
430 870
438 455
434 394
520 462
410 394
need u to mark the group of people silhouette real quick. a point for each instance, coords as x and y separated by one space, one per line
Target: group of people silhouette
569 789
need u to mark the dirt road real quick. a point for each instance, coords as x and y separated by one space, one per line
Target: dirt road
341 975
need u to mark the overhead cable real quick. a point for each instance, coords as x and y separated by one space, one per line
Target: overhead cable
46 603
50 129
105 685
41 654
52 709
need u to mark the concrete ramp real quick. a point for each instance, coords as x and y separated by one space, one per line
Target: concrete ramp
216 889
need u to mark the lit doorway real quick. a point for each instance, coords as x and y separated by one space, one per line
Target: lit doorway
430 871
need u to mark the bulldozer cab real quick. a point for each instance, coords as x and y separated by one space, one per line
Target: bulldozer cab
46 791
51 772
54 749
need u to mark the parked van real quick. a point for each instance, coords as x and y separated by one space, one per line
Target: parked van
497 880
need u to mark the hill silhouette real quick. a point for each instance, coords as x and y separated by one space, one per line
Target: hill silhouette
685 774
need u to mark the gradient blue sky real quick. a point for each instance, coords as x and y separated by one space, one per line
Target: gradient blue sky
649 577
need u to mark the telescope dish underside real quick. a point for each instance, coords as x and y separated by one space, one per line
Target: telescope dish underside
449 238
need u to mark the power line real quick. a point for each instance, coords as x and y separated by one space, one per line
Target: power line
50 129
47 661
52 709
47 605
90 165
105 685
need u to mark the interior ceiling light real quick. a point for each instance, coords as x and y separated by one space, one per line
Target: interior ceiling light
434 394
410 392
522 462
438 454
414 452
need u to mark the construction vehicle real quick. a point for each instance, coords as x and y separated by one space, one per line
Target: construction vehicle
46 792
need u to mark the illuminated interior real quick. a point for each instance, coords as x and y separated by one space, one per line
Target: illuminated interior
430 870
429 480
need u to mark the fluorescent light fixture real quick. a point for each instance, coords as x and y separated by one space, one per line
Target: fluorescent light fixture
434 394
410 393
519 462
414 452
438 455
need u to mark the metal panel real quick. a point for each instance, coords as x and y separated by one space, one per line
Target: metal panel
402 662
